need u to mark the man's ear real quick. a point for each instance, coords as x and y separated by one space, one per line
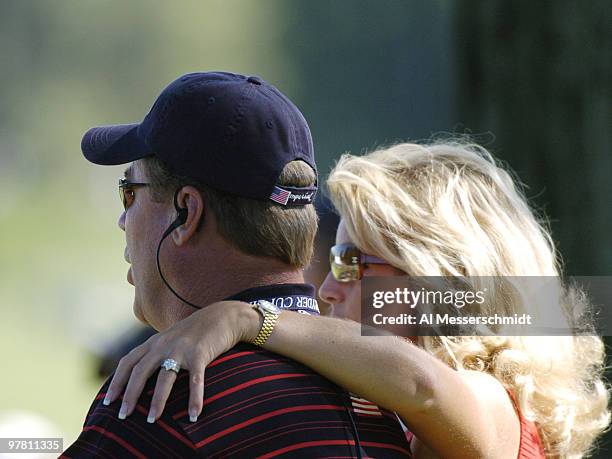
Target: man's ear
189 198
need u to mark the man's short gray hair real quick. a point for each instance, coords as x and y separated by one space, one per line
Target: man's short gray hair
258 228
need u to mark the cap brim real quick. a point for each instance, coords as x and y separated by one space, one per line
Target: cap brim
111 145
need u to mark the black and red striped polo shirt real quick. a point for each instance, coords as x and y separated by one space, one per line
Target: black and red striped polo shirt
256 404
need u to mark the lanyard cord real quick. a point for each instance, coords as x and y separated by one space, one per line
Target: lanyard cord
354 426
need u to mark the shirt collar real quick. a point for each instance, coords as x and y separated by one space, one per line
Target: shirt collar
296 297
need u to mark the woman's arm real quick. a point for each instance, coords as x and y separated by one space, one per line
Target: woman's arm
379 368
456 414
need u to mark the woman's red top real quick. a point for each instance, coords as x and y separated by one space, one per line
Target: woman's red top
530 445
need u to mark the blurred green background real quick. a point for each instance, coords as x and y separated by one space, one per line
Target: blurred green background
531 80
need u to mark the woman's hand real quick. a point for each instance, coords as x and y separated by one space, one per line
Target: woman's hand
193 342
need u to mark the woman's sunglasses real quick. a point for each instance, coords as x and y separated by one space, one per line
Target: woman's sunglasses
347 263
126 191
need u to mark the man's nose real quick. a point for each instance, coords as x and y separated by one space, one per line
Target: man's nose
121 221
331 290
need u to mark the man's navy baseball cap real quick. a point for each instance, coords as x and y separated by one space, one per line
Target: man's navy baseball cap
230 132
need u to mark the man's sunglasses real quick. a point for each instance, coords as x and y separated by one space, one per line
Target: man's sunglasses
126 191
347 263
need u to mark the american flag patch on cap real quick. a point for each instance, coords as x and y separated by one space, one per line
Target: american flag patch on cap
293 196
279 195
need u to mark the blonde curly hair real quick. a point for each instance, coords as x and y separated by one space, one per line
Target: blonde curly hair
449 209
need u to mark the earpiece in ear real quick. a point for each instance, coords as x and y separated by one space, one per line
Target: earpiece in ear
182 212
182 215
181 218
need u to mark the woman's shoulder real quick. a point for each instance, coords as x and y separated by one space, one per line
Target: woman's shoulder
499 408
506 414
492 394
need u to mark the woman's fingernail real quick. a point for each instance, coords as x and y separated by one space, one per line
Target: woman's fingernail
192 416
151 417
106 400
122 411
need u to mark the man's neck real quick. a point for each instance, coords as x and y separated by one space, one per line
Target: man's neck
225 284
206 278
